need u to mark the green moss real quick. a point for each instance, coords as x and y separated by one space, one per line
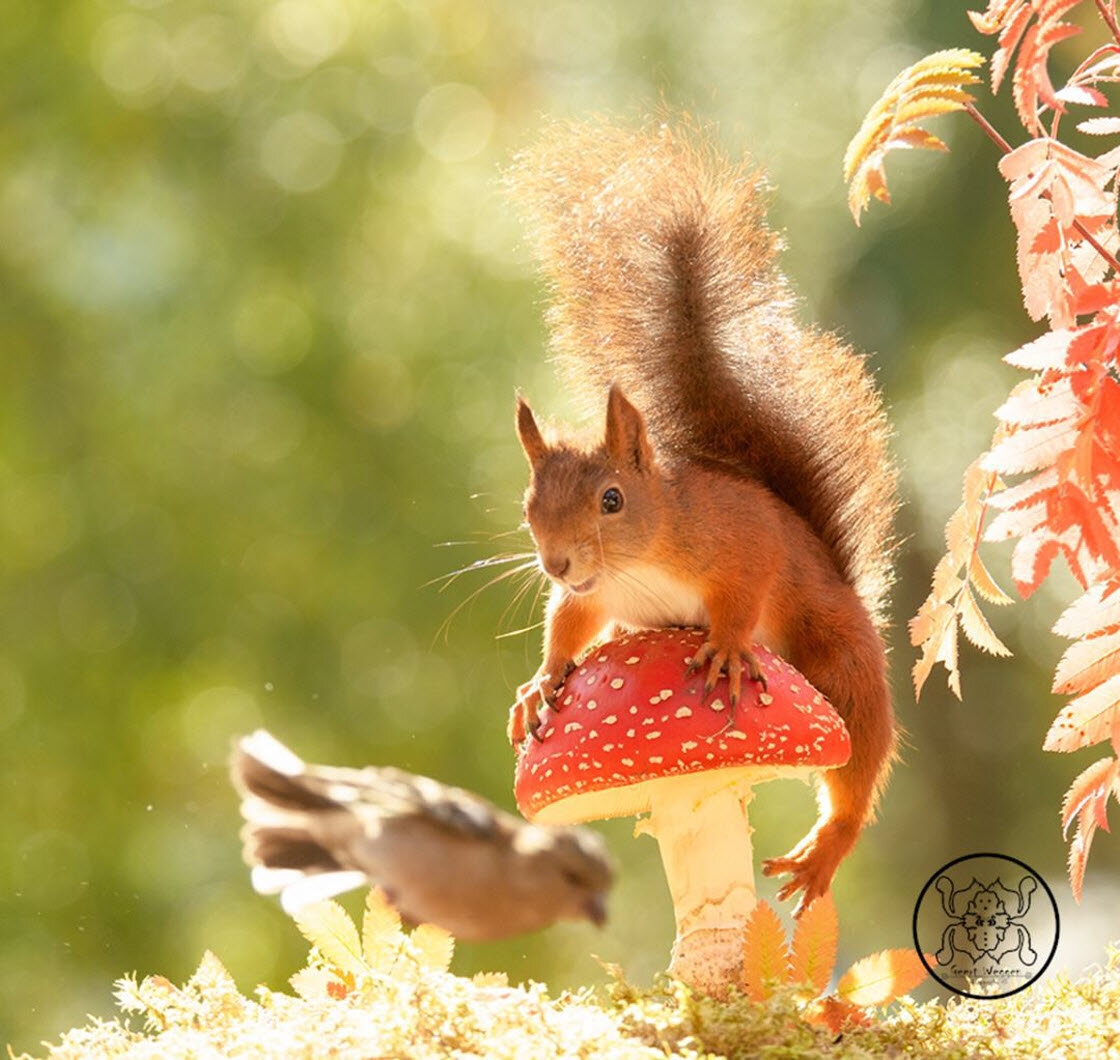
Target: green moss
410 1007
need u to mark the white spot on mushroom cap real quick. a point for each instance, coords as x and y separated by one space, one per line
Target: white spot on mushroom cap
655 760
633 659
627 761
718 704
653 735
573 726
610 719
683 712
617 682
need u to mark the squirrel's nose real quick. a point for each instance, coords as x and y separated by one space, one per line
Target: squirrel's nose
557 566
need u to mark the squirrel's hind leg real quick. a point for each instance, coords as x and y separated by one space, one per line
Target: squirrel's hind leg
854 680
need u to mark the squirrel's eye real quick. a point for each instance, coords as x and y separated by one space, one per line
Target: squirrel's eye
611 502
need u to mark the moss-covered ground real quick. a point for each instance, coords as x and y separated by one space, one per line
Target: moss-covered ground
409 1006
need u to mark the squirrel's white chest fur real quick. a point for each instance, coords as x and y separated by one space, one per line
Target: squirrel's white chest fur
644 595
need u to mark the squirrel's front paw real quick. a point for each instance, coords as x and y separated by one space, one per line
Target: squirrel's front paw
541 690
729 659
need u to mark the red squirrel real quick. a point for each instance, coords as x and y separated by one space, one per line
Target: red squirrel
743 483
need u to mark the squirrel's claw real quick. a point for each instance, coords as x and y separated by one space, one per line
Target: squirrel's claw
812 863
733 661
542 690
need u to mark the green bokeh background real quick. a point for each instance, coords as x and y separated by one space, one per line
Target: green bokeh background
262 313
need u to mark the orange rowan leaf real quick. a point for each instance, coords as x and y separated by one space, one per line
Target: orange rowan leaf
1031 448
1087 97
881 978
1054 188
1039 401
997 15
765 952
1085 720
1047 351
814 944
984 583
1095 612
933 85
1078 860
1035 554
1086 663
1027 497
1089 793
1087 800
976 627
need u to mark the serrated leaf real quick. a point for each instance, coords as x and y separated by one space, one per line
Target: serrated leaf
1102 126
1078 859
327 927
1086 663
381 931
976 627
1095 611
1046 352
1034 402
813 953
1085 720
433 947
881 978
933 85
984 583
1092 786
765 953
1032 448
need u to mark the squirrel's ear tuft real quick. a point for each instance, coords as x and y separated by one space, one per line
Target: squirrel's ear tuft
626 433
529 433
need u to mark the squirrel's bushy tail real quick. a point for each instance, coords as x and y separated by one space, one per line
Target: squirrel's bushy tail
664 279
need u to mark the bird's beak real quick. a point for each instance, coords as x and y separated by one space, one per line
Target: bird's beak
596 909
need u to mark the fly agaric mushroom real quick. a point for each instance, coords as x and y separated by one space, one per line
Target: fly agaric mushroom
632 732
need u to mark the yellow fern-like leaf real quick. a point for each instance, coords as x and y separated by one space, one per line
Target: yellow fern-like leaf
326 926
933 85
765 952
433 947
814 944
381 931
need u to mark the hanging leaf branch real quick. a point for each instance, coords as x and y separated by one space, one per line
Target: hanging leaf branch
1052 473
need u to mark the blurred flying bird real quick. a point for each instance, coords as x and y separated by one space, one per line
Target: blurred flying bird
443 855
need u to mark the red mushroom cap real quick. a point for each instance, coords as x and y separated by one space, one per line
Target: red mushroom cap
629 716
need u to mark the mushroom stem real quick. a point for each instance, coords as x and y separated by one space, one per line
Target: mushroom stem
705 842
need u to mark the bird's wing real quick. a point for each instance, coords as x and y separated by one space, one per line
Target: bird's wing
382 791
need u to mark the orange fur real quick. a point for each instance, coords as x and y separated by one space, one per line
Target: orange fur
757 492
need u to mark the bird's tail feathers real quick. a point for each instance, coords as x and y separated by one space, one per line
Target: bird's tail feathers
264 770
